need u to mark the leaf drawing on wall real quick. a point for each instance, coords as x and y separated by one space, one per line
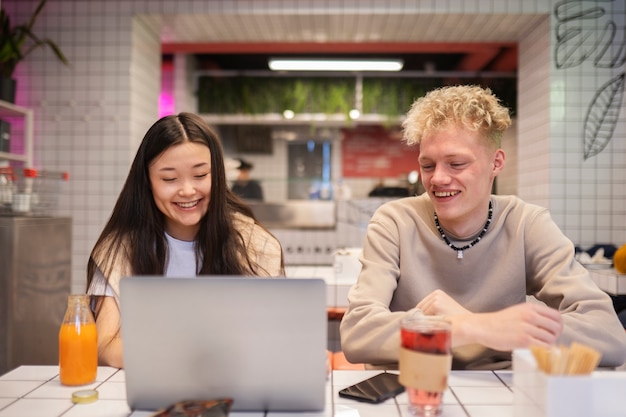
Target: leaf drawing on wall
575 42
577 38
570 50
576 9
602 116
611 54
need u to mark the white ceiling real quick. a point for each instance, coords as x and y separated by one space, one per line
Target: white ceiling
487 42
295 27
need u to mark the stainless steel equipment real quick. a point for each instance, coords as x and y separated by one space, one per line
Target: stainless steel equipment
35 280
296 214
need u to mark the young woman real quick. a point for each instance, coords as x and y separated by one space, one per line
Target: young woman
175 216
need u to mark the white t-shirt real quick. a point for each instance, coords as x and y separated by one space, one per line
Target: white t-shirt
181 264
182 258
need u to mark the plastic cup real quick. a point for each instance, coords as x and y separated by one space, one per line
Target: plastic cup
425 361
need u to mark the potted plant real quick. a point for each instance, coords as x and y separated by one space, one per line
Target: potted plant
16 43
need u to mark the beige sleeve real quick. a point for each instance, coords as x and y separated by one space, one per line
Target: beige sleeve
263 248
266 251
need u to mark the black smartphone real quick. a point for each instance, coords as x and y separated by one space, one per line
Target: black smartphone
375 389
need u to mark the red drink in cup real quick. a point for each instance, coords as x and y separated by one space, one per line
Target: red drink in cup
425 361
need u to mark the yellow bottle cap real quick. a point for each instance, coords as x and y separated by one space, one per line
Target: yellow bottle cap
85 396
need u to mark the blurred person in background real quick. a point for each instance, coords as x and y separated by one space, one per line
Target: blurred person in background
244 186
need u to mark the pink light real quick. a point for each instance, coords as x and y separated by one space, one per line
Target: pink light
166 97
166 104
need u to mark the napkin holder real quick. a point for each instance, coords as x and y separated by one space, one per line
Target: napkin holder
601 393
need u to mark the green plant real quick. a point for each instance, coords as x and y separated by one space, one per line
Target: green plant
13 42
389 97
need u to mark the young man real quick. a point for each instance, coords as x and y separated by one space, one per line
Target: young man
459 251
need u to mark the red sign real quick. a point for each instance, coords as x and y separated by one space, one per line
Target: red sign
376 152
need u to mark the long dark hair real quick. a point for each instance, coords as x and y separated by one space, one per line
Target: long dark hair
135 232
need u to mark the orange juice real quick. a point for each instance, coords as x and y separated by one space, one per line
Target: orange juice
78 353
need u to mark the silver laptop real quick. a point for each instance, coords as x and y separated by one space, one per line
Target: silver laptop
259 341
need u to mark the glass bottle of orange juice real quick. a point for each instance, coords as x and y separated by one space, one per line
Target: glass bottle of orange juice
78 343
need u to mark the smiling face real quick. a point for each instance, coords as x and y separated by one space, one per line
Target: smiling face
457 168
181 187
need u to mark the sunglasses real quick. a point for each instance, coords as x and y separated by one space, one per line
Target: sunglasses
212 408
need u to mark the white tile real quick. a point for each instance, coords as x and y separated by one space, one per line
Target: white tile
506 376
112 391
119 376
105 372
328 412
16 389
36 408
54 389
31 373
100 408
489 411
5 401
357 409
327 272
484 395
303 272
473 379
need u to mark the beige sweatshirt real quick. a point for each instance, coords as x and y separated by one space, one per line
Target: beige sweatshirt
524 253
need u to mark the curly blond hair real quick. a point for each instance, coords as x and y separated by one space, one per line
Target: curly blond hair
473 106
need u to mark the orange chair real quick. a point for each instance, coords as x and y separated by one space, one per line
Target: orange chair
341 363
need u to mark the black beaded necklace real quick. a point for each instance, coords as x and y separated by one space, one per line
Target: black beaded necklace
459 251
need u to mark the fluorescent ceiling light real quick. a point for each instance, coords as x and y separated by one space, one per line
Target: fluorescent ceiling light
280 64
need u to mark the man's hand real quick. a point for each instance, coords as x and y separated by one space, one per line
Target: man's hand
440 303
518 326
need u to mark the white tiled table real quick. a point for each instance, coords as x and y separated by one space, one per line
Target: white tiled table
35 391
